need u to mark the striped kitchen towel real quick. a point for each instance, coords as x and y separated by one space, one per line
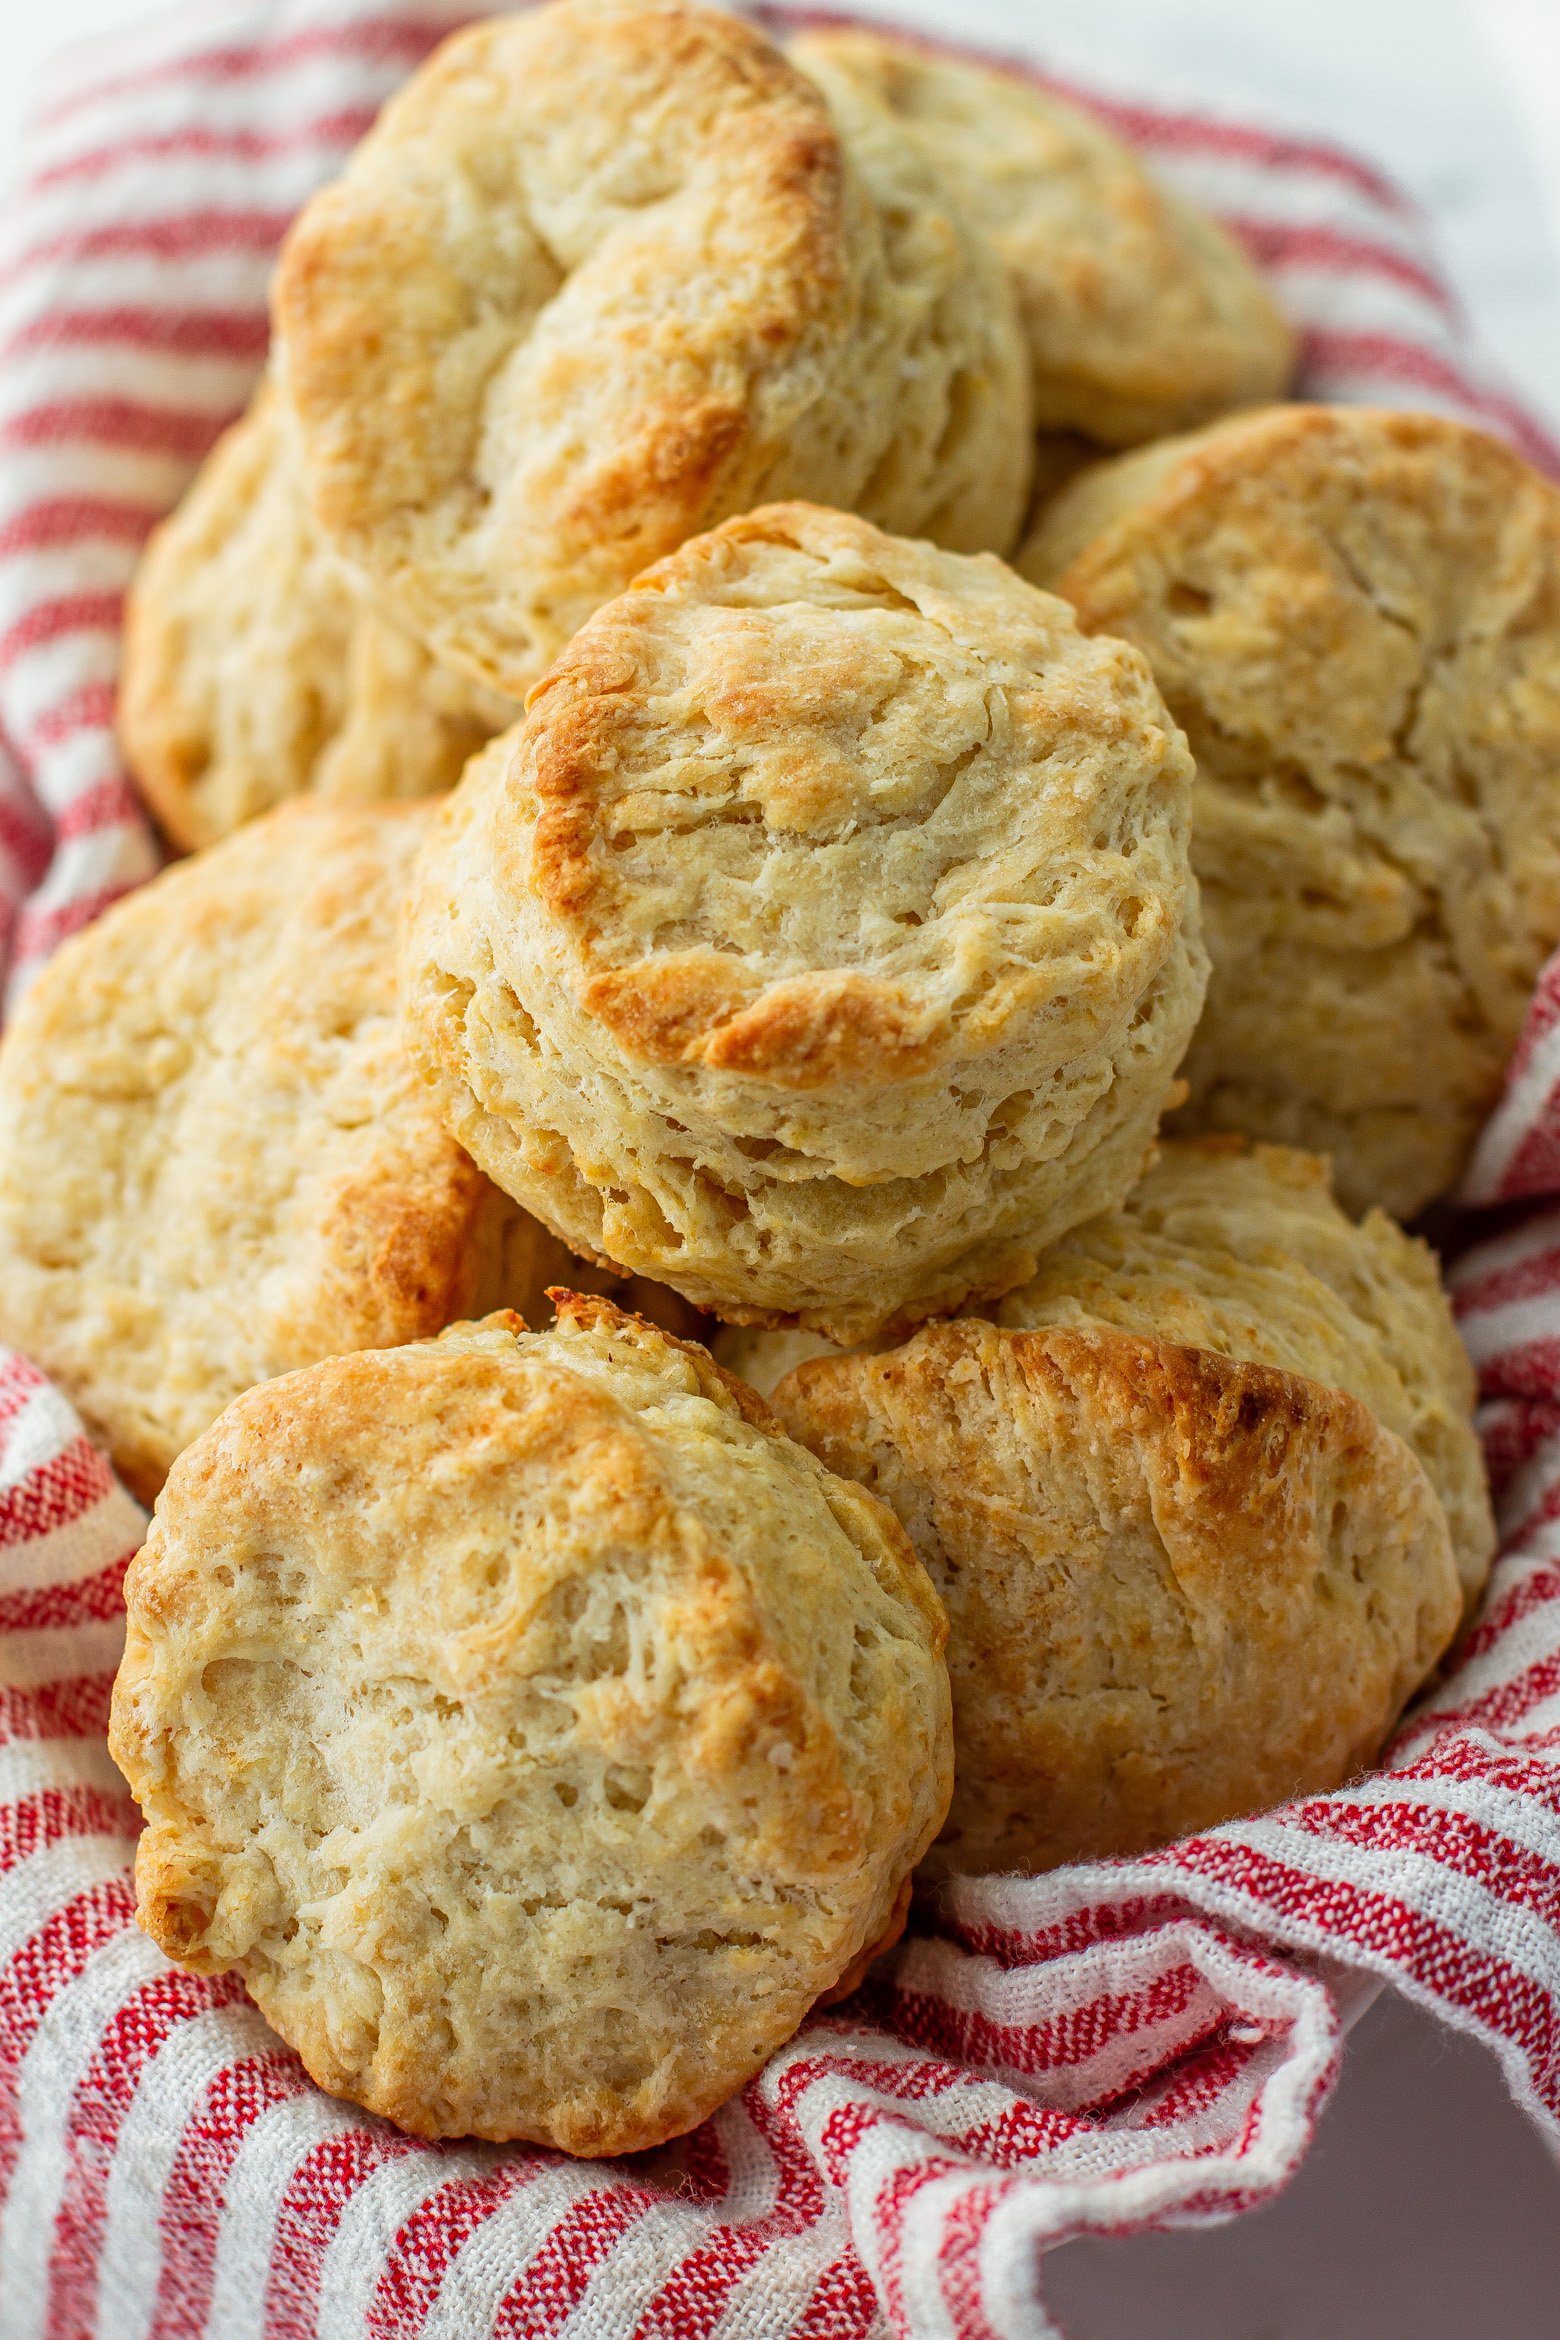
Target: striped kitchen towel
1101 2049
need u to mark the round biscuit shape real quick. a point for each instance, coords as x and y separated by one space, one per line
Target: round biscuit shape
605 272
1242 1250
1355 614
1180 1588
822 944
589 1729
216 1162
256 669
1141 314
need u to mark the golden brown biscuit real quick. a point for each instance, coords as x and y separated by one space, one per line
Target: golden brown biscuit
822 943
605 272
1356 617
215 1160
586 1730
1141 314
1242 1250
256 669
1179 1587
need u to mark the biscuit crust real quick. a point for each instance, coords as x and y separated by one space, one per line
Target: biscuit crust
1141 315
536 1730
256 669
1355 615
1180 1587
605 272
1241 1250
822 943
216 1163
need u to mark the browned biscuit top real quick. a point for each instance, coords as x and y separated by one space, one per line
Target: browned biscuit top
1242 1250
216 1162
604 272
1180 1587
1142 315
1356 616
829 914
536 1729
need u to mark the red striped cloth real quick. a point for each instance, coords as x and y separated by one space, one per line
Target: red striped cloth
1101 2049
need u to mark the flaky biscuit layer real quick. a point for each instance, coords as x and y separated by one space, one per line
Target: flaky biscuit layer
604 272
257 669
536 1730
215 1160
822 943
1141 315
1180 1587
1242 1250
1356 616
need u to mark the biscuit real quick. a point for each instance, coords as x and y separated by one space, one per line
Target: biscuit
762 1357
1140 313
256 669
822 943
1180 1587
604 273
215 1160
586 1730
1356 617
1242 1250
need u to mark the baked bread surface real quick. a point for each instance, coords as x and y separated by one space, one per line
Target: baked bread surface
1355 615
822 943
216 1162
536 1730
604 272
1180 1587
1243 1251
1141 315
256 668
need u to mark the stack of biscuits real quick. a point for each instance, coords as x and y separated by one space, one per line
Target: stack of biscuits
768 685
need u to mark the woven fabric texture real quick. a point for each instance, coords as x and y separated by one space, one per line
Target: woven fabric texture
1098 2050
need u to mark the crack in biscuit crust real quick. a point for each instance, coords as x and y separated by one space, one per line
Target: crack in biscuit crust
1242 1250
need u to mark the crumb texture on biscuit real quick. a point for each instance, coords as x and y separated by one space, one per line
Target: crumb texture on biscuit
1180 1587
1355 615
1140 313
823 942
605 272
256 669
536 1730
216 1162
1242 1250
